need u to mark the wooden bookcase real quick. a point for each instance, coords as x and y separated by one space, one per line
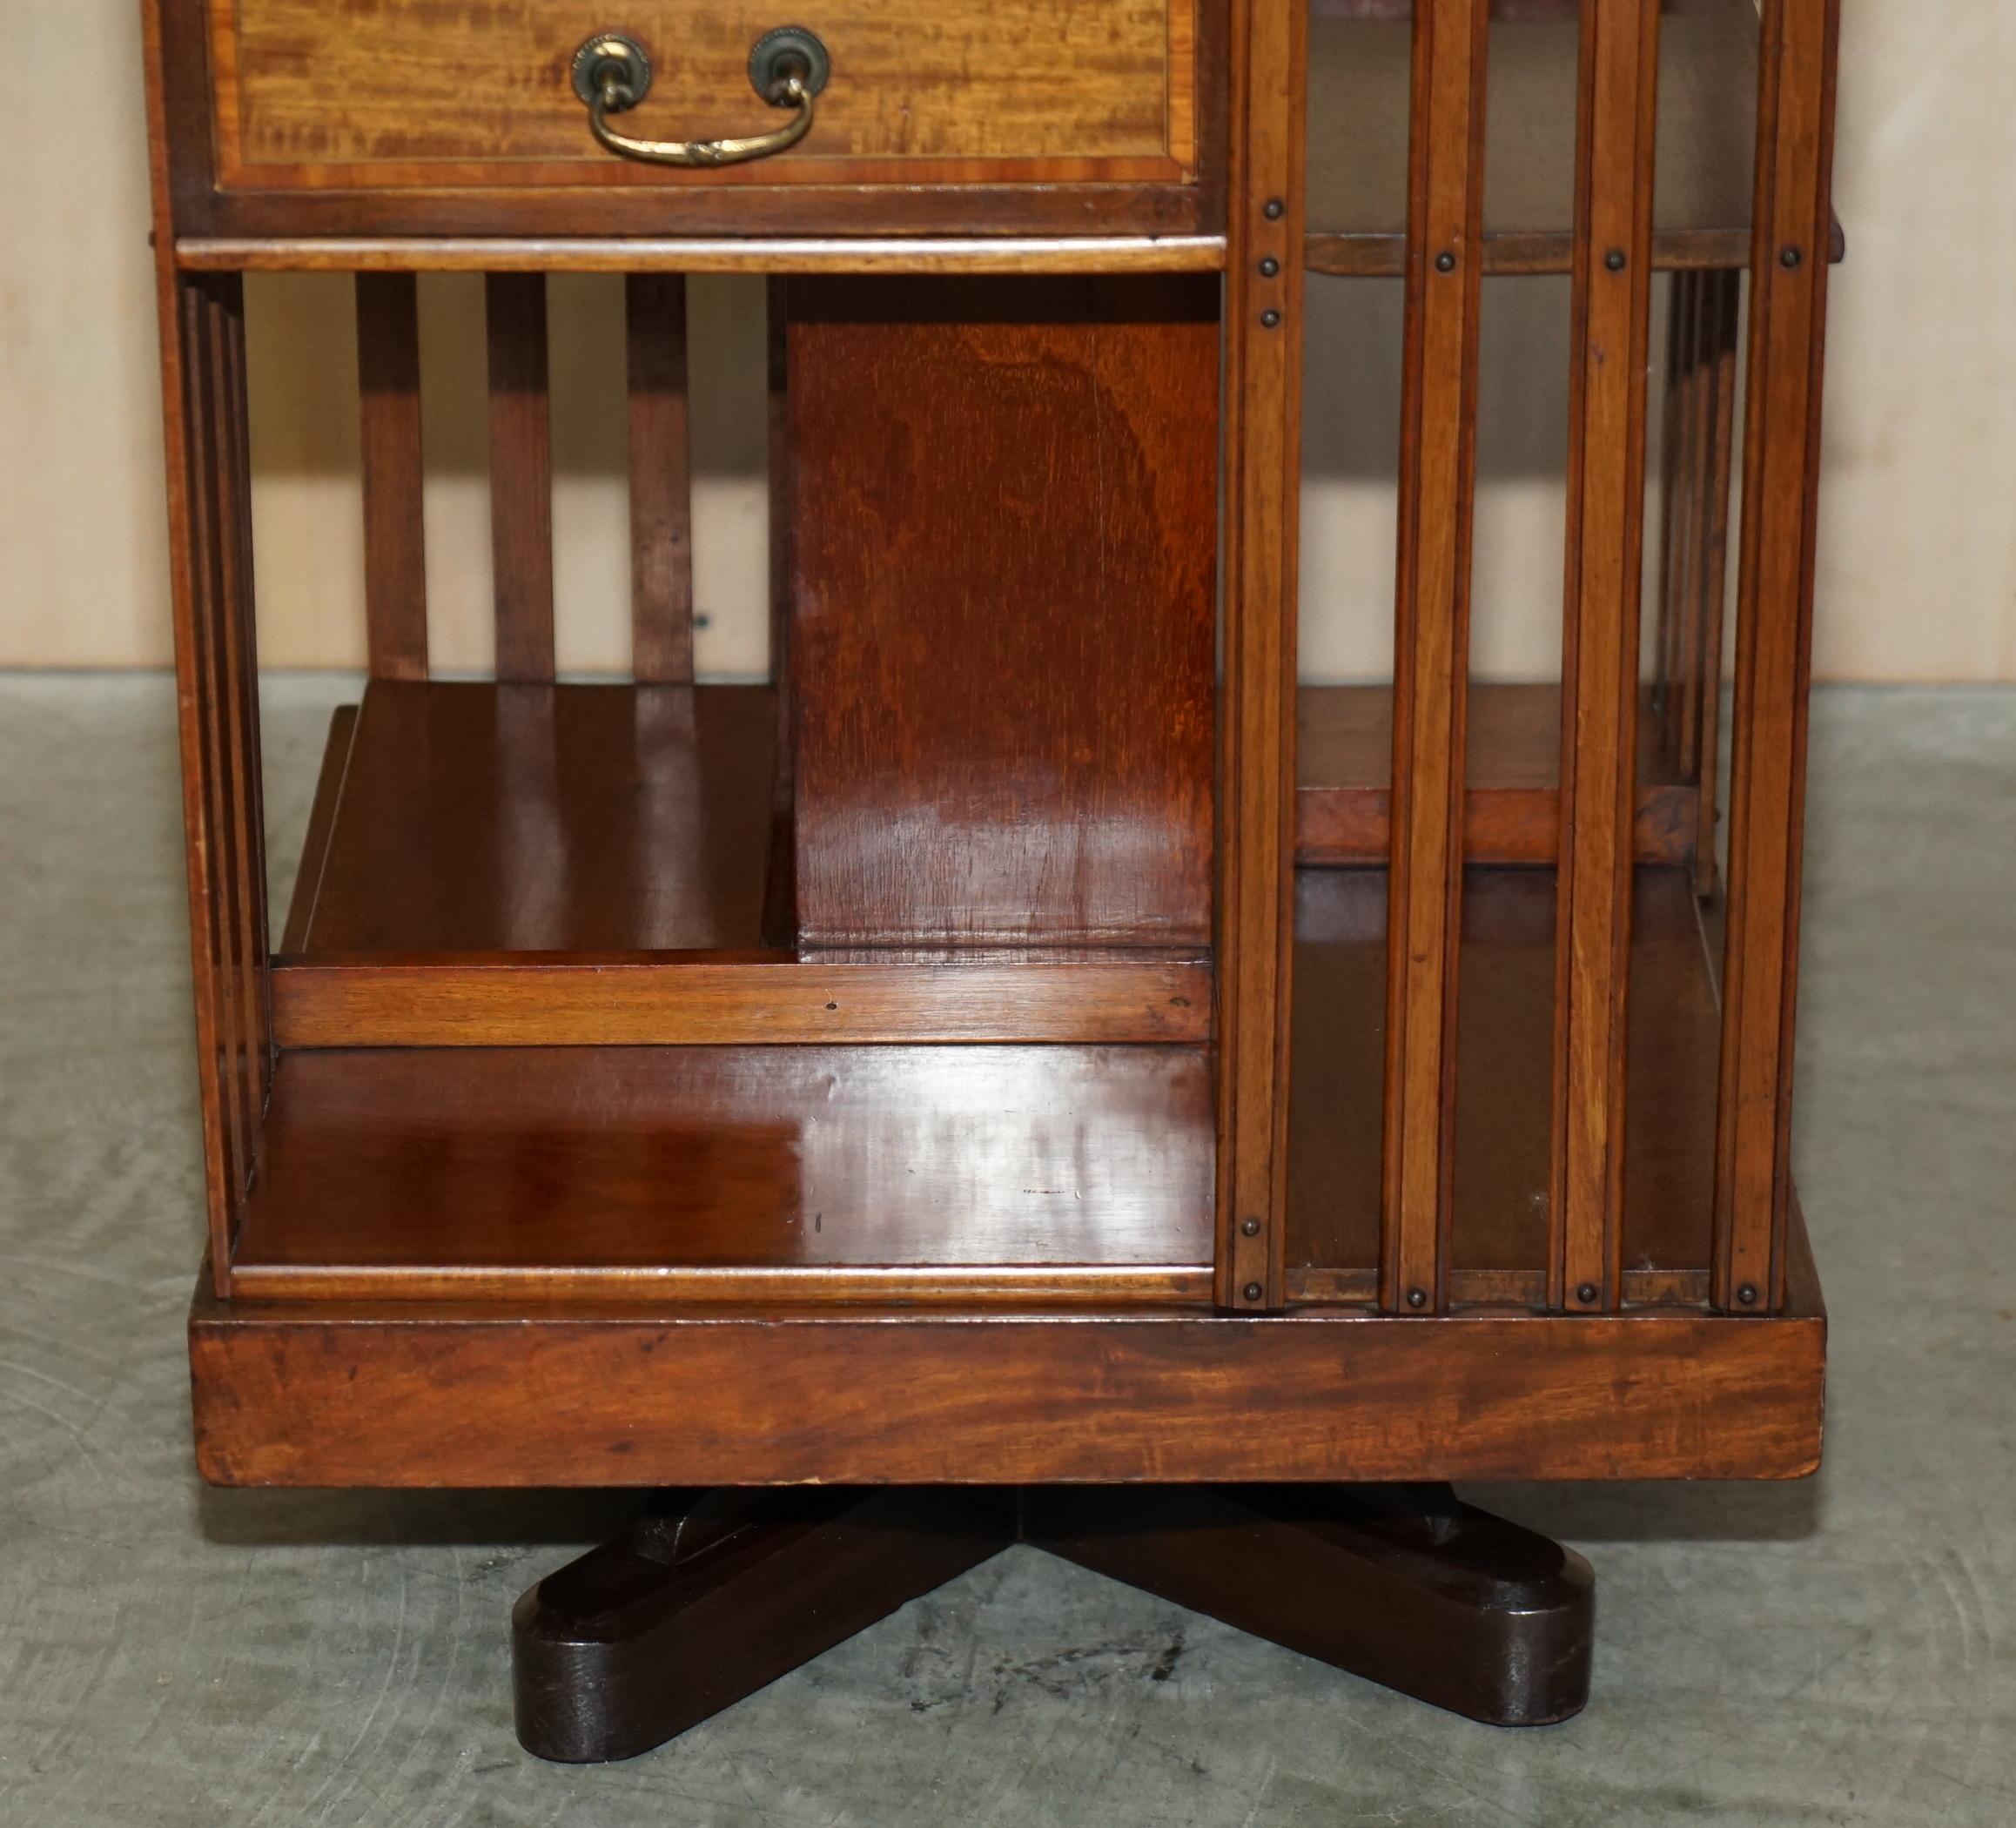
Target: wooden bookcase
1030 1039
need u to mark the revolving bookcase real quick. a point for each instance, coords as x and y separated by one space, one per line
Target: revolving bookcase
1033 1068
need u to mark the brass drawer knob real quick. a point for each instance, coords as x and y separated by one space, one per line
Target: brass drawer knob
787 68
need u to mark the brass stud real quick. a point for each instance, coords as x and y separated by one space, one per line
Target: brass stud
1252 1291
1417 1298
1747 1294
1586 1295
1251 1228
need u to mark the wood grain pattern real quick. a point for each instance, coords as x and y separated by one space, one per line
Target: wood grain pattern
576 819
661 481
521 475
1431 645
1612 314
708 999
734 1173
395 575
1256 761
1002 531
1511 797
309 92
1774 650
404 1393
770 254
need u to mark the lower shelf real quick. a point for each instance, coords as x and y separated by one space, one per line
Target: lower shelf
1031 1174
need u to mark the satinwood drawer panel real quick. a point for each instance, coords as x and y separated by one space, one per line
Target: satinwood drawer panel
477 94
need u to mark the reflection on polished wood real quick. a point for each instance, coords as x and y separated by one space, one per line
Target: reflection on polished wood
736 1174
478 817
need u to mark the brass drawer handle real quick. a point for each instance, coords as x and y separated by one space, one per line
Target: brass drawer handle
787 68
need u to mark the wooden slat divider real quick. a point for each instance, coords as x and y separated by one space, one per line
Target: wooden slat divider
1438 465
1718 324
1612 307
661 481
521 476
780 918
1262 393
241 698
1679 471
395 579
1773 652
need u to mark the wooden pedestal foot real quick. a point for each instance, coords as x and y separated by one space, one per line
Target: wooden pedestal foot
1402 1584
711 1596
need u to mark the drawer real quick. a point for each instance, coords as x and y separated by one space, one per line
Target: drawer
461 96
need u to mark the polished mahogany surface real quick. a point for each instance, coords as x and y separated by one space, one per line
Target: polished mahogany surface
1004 514
571 818
1498 1239
606 1171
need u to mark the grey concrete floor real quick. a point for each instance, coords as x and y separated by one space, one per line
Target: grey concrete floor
1837 1652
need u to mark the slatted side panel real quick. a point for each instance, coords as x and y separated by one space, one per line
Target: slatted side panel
1611 317
1773 651
1438 467
216 670
661 491
1263 340
521 476
388 373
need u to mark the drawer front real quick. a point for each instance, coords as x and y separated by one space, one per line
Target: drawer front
478 94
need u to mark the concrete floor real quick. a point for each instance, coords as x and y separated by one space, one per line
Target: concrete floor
1832 1652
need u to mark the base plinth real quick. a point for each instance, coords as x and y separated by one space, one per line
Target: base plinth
712 1595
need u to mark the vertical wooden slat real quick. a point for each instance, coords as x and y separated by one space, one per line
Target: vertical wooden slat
1606 494
1680 470
780 918
395 579
241 697
1718 321
1263 340
661 481
1438 467
1773 650
521 475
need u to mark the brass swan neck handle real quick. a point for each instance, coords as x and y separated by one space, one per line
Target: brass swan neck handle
787 68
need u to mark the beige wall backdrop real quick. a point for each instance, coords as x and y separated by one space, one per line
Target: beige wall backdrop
1919 541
